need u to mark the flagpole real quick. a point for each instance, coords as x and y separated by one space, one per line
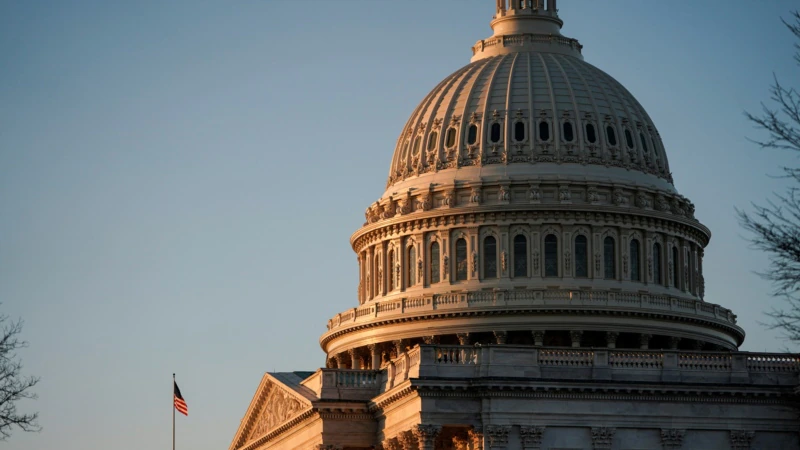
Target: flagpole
173 411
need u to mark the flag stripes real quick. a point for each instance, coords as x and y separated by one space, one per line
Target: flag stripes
180 403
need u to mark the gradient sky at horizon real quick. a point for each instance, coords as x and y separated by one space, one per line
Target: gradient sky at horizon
179 180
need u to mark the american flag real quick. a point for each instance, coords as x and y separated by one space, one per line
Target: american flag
180 403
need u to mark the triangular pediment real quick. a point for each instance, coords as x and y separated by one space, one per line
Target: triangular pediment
276 401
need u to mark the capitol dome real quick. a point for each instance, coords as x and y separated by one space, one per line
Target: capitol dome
529 201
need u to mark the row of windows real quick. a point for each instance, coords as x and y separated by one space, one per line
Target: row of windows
551 267
519 134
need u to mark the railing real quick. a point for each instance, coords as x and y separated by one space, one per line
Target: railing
636 360
347 378
533 298
456 355
705 361
572 358
773 363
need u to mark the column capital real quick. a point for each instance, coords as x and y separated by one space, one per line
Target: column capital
531 437
463 338
498 436
426 435
741 439
602 438
576 335
644 341
501 336
672 438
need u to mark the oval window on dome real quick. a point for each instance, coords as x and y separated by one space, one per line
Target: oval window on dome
611 136
644 142
494 134
432 140
472 134
544 131
628 138
567 132
591 136
415 148
519 131
450 138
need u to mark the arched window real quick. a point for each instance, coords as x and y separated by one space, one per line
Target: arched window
676 279
490 257
628 138
567 132
432 140
644 142
450 138
551 256
591 136
544 131
494 134
461 259
390 270
635 272
472 134
434 265
609 258
519 131
611 136
417 142
657 263
520 256
581 256
411 266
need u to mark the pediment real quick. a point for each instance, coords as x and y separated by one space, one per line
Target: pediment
274 403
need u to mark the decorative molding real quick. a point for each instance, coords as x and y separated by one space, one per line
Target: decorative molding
497 435
602 438
531 437
741 439
672 438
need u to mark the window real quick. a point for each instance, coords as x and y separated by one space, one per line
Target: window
520 256
411 266
519 131
490 257
581 256
567 132
611 136
494 135
417 142
609 258
544 131
472 134
676 280
450 138
657 263
550 256
434 275
635 272
390 270
461 259
644 142
628 138
590 133
432 140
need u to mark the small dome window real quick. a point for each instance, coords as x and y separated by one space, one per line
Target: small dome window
432 138
519 131
472 134
450 138
494 134
628 138
644 142
611 136
417 142
591 136
544 131
567 132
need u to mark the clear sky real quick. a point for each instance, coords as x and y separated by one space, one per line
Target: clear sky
179 180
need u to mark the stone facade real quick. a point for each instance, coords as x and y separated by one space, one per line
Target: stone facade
530 279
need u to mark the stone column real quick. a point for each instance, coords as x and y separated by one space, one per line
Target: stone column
531 437
644 341
501 337
741 439
672 438
391 444
407 440
576 337
611 339
426 435
463 338
339 358
375 356
354 360
673 342
498 436
602 438
538 338
698 345
399 346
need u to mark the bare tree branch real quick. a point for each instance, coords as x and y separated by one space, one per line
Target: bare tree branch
13 385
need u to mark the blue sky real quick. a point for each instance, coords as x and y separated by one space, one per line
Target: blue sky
179 180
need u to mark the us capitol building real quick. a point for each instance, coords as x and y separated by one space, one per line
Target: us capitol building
530 279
